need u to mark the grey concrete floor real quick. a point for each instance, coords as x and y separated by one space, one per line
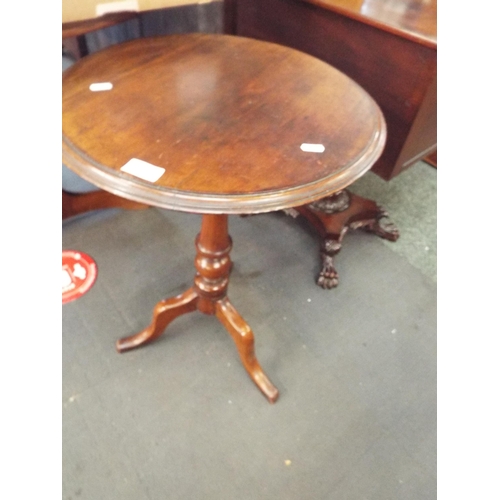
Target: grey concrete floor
180 418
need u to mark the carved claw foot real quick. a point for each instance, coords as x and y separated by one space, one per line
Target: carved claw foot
336 214
383 227
328 276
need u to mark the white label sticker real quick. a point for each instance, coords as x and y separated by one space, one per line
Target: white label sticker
99 87
143 170
312 148
123 6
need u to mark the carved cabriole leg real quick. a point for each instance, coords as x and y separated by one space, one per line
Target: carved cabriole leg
209 295
333 216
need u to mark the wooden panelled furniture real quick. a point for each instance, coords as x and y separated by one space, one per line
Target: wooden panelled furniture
215 125
73 33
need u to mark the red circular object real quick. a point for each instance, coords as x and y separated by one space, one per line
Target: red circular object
79 272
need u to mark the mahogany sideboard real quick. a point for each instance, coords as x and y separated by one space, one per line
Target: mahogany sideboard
389 47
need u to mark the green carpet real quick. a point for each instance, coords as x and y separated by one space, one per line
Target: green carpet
411 200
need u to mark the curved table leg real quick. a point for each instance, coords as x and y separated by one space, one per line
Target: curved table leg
209 296
243 338
163 314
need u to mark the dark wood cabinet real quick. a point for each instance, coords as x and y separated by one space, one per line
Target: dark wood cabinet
388 47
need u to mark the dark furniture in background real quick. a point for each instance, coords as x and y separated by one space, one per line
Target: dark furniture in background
73 34
389 47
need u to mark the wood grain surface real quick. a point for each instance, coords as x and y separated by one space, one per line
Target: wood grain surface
224 116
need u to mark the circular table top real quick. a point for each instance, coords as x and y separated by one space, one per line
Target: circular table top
216 124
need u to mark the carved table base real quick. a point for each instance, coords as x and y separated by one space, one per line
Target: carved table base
333 216
79 203
208 295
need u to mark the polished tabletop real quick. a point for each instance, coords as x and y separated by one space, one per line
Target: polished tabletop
229 124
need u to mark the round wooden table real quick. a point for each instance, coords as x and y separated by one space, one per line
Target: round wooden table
217 125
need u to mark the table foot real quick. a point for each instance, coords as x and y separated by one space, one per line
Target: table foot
382 226
244 340
163 314
328 276
333 216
